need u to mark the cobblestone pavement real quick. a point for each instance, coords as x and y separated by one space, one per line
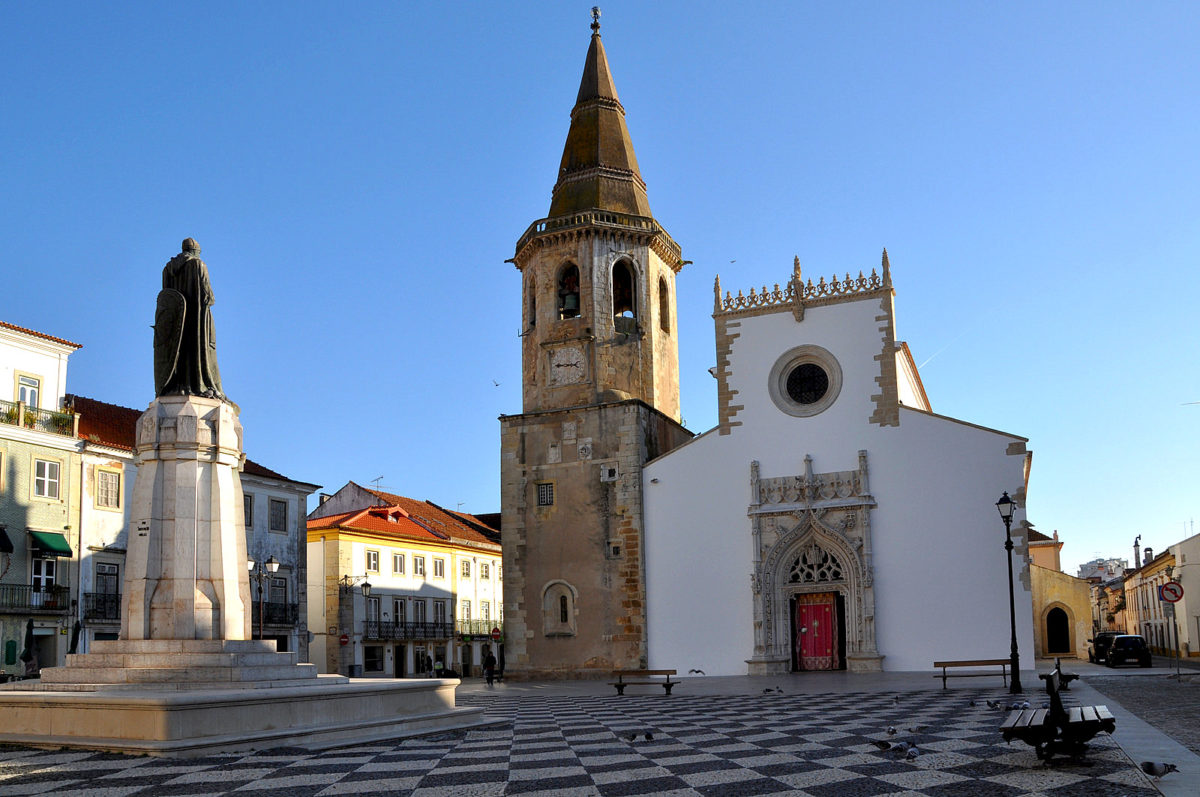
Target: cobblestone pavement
1167 703
824 745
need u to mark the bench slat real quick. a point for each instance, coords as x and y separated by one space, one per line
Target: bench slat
1102 713
1075 714
971 663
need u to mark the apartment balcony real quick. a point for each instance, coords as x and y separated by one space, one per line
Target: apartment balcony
276 614
23 598
18 413
102 607
403 631
476 628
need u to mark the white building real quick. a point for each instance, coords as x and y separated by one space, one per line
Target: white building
435 594
831 520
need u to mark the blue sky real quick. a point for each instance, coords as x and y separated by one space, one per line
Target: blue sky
357 173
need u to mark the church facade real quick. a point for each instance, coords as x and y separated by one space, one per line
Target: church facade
830 521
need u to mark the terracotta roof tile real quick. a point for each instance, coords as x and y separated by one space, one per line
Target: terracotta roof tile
376 520
37 334
457 524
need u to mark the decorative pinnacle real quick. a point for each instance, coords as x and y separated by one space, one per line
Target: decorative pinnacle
596 20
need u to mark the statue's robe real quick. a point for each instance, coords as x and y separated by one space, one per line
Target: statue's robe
195 370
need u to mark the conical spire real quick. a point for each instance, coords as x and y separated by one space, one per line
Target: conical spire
599 169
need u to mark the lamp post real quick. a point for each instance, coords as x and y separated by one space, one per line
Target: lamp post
261 573
1007 506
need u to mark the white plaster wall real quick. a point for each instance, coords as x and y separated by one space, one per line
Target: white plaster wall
26 354
939 592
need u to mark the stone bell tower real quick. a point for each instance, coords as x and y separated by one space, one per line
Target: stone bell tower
600 374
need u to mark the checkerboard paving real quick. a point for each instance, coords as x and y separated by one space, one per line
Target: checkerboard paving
818 745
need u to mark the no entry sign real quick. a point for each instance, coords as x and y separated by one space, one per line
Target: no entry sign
344 640
1171 592
495 634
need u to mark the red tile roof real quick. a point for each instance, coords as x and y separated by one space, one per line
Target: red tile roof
36 334
116 426
411 519
1037 536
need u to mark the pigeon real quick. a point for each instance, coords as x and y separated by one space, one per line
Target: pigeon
918 728
993 704
971 703
891 730
649 736
896 700
882 745
911 754
901 747
695 672
1158 768
768 691
780 691
633 737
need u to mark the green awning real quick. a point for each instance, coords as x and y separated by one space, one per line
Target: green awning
6 545
50 543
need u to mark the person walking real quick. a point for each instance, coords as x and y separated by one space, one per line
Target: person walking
489 668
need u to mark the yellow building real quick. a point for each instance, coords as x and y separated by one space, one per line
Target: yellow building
398 587
1062 611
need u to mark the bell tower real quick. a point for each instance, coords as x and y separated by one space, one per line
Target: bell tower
600 397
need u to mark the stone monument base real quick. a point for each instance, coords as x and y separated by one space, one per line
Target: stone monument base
329 711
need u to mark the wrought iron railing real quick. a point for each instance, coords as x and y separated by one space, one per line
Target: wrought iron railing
380 629
20 414
23 597
277 613
476 627
102 606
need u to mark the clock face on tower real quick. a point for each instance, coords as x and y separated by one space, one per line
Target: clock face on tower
566 366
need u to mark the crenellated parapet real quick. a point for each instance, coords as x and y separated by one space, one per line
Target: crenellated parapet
797 294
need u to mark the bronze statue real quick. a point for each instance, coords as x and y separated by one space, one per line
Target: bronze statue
185 341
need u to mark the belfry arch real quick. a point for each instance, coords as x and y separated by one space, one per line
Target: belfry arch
812 541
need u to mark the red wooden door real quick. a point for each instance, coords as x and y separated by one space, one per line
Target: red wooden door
815 631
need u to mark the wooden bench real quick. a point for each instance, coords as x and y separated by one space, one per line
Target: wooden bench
642 678
976 663
1056 730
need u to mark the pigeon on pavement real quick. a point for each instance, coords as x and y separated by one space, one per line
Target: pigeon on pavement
911 754
1157 769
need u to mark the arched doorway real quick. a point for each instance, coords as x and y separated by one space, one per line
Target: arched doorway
1058 632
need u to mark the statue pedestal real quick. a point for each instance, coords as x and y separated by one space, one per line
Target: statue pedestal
186 561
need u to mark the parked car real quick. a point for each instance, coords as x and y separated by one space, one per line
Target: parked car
1128 648
1098 646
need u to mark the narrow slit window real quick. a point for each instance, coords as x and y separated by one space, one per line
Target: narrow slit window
664 306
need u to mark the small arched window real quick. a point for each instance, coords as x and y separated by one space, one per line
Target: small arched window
664 306
624 296
568 292
558 609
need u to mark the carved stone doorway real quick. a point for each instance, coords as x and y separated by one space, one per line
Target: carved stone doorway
818 631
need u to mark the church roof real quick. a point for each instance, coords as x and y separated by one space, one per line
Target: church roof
599 169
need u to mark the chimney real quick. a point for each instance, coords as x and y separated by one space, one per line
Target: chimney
1149 554
1137 552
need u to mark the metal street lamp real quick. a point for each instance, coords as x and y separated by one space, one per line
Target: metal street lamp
1007 506
261 573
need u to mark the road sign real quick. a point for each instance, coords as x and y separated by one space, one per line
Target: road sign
495 634
344 640
1170 592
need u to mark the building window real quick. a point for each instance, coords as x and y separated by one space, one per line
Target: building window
372 561
805 381
398 564
439 612
419 611
568 292
278 515
248 510
485 610
664 306
108 489
373 610
372 658
278 593
45 478
624 297
466 610
466 568
484 571
558 609
43 573
545 494
107 582
399 614
28 389
419 566
439 568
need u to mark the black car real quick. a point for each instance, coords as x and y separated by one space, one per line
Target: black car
1098 649
1128 649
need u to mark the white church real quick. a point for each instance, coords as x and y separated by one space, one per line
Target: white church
830 521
